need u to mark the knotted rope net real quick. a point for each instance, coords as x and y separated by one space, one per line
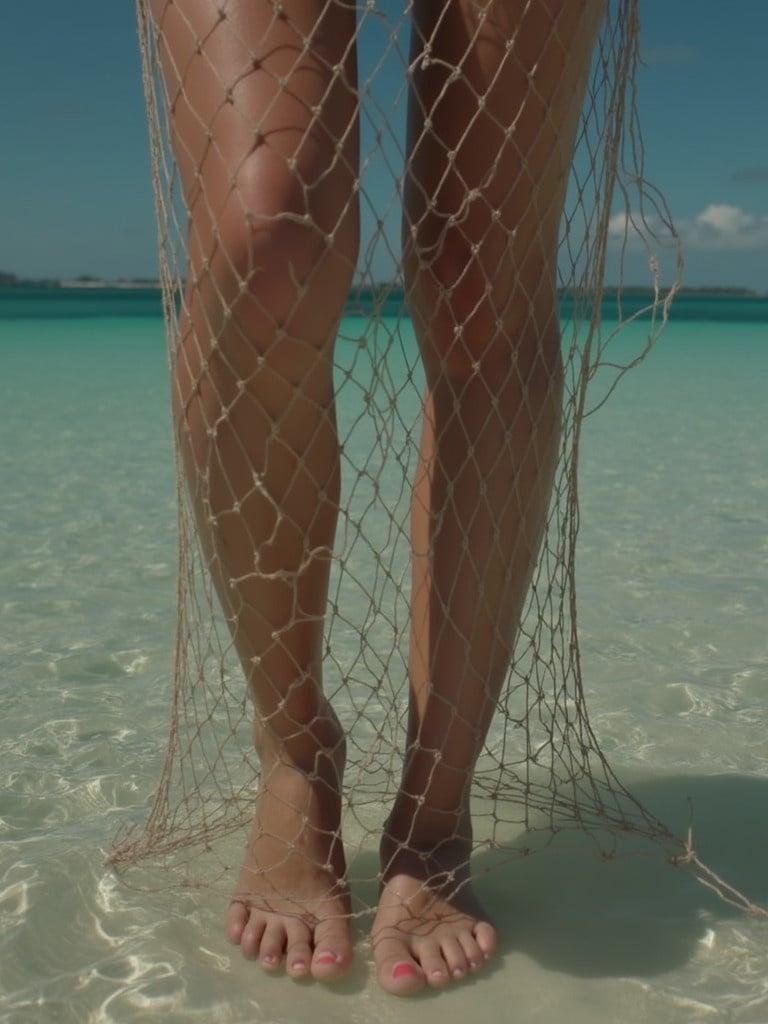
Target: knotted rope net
384 298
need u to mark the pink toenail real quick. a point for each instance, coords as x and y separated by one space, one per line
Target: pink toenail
404 971
298 965
268 959
437 974
458 973
326 958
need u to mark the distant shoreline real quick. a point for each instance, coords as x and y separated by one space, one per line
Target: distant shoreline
388 289
12 281
127 283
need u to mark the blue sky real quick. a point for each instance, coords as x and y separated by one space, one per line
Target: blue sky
75 194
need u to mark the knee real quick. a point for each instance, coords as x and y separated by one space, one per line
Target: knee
461 332
454 270
444 288
484 323
275 251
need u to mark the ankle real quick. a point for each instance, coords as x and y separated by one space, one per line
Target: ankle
413 822
315 749
433 800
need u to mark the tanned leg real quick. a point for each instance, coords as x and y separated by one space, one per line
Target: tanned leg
263 110
489 157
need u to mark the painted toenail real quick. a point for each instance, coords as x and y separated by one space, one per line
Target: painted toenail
404 971
326 958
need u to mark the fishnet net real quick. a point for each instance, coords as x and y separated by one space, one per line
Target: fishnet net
379 511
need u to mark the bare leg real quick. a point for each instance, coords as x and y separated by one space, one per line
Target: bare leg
484 195
257 112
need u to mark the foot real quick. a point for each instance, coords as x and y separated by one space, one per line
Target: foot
292 904
429 928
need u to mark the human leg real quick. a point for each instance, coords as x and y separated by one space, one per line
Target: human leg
263 105
490 149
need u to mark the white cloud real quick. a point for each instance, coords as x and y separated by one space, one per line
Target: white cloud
725 227
728 220
719 227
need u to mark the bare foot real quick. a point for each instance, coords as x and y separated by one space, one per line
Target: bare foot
292 902
429 927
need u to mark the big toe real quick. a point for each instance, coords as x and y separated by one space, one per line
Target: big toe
396 968
485 935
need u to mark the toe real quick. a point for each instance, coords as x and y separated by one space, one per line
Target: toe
432 963
486 938
454 956
298 959
298 953
472 950
333 949
396 969
272 945
237 918
251 935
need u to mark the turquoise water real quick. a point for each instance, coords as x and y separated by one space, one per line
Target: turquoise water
38 303
673 579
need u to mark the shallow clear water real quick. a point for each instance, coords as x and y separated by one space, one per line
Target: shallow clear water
673 578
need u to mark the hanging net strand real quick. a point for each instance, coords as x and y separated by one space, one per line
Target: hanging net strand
384 305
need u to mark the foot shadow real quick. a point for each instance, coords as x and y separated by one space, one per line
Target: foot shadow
572 911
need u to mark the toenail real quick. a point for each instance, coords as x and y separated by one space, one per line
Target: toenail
458 973
437 974
298 965
404 971
268 959
326 958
